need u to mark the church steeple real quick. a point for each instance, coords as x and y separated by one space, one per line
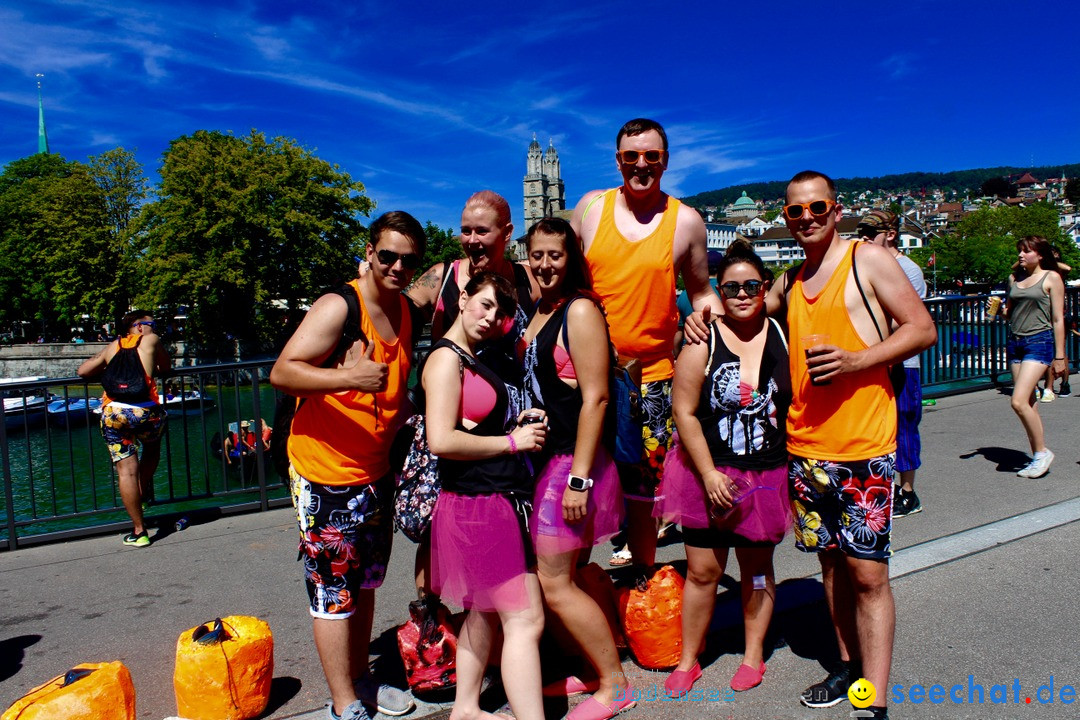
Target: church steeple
543 185
43 138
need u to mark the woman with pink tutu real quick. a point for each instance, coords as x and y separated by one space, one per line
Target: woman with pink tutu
481 553
725 477
578 500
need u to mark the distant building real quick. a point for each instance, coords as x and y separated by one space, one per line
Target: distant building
545 195
744 207
719 236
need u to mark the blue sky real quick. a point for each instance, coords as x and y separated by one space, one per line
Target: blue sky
427 102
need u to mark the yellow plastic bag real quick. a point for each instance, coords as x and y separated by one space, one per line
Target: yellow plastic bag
224 669
652 620
91 691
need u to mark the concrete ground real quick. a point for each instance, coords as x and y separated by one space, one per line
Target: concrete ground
984 582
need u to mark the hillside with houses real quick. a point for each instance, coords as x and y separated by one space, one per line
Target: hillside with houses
930 214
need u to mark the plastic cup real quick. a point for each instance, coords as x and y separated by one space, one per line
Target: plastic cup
809 342
993 306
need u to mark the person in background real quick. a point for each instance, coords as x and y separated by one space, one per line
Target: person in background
882 227
725 478
1035 311
126 425
481 554
339 458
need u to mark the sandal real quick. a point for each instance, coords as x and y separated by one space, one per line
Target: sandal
619 558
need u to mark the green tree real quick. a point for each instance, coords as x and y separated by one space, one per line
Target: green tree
243 226
1072 191
442 245
54 244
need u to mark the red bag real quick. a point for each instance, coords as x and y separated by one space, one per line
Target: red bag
597 584
428 646
652 620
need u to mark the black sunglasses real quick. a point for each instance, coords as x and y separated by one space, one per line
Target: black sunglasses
409 261
869 232
731 289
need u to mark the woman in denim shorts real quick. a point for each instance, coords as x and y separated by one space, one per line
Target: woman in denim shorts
1035 310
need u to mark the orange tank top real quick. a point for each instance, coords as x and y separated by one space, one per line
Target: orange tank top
636 281
344 438
854 416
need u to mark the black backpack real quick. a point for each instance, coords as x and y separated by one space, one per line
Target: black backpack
287 405
125 379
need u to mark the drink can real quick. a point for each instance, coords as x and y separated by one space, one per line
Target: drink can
993 306
182 523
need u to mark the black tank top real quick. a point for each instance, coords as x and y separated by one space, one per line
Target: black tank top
499 354
506 474
746 427
544 389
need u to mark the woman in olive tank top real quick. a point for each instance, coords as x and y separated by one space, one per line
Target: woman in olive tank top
1035 311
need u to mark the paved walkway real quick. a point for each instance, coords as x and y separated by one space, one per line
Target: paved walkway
984 581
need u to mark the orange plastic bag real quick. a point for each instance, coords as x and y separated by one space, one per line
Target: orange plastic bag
652 620
224 669
91 691
597 584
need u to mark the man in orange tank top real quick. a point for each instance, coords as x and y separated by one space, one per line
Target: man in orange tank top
126 425
339 458
636 239
842 424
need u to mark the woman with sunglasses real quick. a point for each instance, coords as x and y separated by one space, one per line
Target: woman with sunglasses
481 553
725 478
578 500
1035 310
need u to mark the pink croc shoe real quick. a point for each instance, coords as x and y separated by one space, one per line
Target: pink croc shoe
593 709
680 681
747 677
570 686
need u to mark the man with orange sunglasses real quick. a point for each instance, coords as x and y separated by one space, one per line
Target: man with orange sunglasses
842 423
636 239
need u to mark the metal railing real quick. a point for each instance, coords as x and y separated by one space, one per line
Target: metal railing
59 481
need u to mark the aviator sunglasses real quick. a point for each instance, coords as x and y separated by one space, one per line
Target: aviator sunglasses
817 208
731 289
630 157
409 261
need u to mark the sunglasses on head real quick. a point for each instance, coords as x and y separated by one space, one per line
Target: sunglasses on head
731 289
817 208
409 261
630 157
866 231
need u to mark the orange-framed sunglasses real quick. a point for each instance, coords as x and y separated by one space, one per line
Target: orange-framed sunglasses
817 208
630 157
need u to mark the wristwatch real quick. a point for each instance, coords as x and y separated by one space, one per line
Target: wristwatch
579 483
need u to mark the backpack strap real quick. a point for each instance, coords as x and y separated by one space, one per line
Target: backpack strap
713 332
780 331
855 272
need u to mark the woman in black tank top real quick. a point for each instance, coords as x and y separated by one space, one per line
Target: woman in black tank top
725 477
578 501
480 550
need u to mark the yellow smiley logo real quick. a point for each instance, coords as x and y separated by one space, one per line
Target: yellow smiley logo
861 693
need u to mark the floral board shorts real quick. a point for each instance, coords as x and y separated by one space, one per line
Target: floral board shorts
640 481
125 426
843 505
345 537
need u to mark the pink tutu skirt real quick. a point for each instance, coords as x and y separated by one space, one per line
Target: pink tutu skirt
478 552
551 534
762 511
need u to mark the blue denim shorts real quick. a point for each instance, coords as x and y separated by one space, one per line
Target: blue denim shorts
1032 348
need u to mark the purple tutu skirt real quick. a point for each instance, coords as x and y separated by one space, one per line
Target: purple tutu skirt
478 552
762 511
551 534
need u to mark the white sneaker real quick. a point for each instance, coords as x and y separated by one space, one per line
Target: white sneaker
1038 467
1047 396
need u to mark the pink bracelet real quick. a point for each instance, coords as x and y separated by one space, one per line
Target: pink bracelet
513 445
